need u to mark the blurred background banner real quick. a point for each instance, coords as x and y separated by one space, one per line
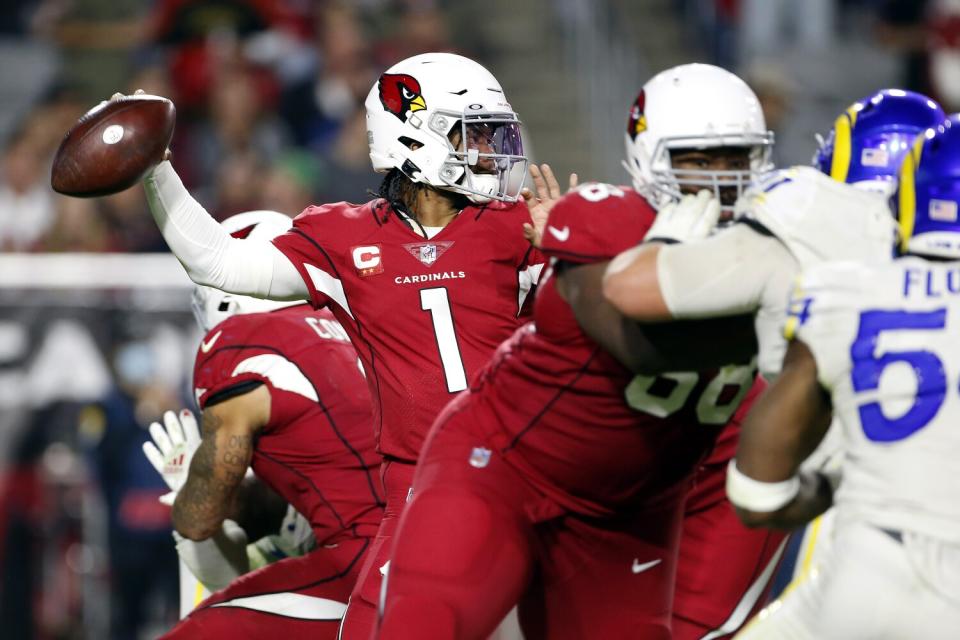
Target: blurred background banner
96 337
93 347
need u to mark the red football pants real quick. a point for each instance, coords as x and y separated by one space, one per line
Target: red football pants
477 539
725 570
361 616
294 598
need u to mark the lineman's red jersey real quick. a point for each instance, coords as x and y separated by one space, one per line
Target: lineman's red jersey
578 424
555 452
424 315
317 450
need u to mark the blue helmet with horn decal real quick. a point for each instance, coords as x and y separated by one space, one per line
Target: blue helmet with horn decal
870 139
928 193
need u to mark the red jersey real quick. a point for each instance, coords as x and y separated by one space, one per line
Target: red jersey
424 315
317 450
579 425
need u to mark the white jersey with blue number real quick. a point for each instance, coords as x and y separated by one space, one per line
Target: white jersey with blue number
887 345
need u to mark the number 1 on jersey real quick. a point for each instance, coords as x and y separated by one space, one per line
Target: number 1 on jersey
437 303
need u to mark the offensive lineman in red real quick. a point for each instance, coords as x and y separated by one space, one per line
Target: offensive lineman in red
281 392
427 280
676 146
557 482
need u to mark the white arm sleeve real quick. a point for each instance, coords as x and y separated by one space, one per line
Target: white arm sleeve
736 271
210 256
726 274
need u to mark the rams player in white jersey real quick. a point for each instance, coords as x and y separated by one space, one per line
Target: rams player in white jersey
791 220
875 345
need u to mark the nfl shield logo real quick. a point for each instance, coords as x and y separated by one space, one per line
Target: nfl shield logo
479 457
428 254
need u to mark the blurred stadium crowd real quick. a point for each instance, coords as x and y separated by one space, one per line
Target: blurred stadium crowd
269 96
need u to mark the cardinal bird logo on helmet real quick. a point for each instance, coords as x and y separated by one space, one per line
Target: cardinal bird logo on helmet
638 121
400 94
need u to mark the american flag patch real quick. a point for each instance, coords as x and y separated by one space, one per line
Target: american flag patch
874 158
943 210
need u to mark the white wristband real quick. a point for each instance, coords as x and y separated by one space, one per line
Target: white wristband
761 497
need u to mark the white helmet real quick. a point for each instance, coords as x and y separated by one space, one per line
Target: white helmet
414 109
693 106
212 306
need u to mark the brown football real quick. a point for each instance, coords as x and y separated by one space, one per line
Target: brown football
113 145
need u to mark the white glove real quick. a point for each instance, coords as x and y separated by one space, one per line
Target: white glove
172 449
218 560
692 218
294 539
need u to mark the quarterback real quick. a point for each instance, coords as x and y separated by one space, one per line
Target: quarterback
440 127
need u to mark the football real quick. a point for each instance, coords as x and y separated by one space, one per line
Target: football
113 145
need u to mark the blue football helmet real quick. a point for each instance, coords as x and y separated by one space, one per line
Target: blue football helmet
869 139
928 194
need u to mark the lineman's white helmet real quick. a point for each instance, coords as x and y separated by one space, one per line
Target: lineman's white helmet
415 108
693 106
212 306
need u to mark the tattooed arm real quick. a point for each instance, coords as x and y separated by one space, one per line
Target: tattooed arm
227 430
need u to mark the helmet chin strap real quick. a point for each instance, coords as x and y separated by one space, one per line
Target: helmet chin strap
484 183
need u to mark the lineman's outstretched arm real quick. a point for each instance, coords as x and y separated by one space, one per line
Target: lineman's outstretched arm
208 253
219 465
652 348
727 274
782 429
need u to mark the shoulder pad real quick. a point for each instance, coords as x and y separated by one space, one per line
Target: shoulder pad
235 330
595 222
338 223
819 219
842 275
343 210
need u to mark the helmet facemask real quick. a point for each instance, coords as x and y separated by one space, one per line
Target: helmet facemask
667 183
485 158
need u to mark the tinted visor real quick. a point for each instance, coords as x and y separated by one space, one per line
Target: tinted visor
492 149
